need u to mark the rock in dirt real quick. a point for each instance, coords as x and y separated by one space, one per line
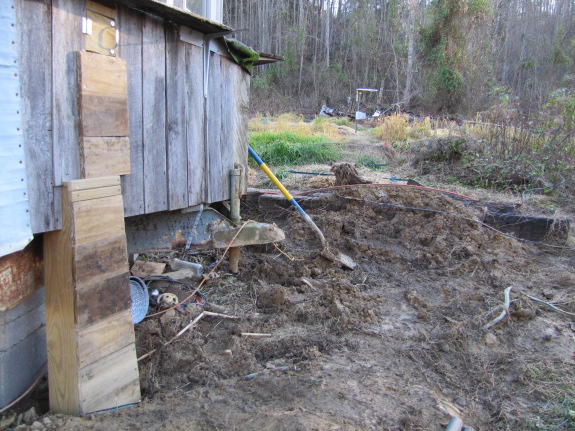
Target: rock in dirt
144 269
270 297
37 426
30 416
181 274
6 422
490 339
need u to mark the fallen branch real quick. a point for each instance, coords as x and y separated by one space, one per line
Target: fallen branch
188 326
223 316
283 252
505 311
255 335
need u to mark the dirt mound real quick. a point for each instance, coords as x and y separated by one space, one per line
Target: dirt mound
415 229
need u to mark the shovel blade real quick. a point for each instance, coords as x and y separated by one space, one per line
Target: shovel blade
336 256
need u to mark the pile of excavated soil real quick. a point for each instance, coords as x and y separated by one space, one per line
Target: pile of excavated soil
395 344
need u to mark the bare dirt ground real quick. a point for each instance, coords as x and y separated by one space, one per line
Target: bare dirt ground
395 344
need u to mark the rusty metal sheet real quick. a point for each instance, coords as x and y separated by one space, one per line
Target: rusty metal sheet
21 274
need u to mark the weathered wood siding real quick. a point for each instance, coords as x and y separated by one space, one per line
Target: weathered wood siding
182 145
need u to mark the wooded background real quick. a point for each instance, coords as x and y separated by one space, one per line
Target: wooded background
439 56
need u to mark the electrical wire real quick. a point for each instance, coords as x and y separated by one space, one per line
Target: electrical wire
469 198
457 216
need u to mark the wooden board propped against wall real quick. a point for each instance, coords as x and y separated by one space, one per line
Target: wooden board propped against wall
103 94
90 335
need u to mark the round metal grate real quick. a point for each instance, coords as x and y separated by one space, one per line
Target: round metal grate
140 299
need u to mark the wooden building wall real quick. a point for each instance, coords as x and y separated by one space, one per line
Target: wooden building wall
182 145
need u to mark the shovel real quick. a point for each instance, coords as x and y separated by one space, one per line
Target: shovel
333 255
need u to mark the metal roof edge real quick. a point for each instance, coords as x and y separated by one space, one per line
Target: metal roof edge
175 14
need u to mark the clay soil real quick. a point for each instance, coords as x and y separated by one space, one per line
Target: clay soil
395 344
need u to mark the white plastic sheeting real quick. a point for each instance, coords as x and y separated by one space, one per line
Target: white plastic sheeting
15 232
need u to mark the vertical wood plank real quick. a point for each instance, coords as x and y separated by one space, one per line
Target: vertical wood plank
196 142
241 97
60 325
154 115
176 116
34 23
227 117
66 40
216 186
130 49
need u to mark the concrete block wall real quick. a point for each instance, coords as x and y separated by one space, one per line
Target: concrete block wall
22 346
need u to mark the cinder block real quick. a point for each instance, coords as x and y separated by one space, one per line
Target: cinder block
22 346
34 301
16 330
20 365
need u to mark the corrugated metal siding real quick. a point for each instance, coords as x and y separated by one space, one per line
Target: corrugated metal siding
15 232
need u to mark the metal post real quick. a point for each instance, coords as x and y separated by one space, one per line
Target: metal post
235 196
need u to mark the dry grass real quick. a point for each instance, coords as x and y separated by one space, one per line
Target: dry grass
398 128
296 124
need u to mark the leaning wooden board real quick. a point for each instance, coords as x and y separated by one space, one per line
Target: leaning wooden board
103 93
91 345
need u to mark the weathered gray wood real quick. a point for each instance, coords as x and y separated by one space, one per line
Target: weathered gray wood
130 49
172 160
241 98
154 115
66 16
36 82
176 117
195 125
227 119
216 179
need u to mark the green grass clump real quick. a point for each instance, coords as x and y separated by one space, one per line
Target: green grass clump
292 149
342 121
370 162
